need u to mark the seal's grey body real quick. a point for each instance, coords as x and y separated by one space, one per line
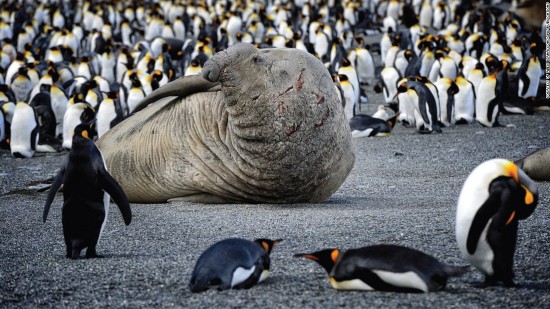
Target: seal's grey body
258 126
537 164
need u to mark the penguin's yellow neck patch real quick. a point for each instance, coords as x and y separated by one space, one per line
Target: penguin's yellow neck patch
85 134
512 171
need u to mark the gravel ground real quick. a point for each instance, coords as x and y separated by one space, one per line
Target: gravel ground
402 190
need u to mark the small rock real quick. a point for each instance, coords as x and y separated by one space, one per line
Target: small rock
511 125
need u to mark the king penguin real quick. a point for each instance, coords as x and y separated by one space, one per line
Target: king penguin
348 92
24 131
109 113
389 78
232 263
21 84
87 190
494 197
426 110
76 114
488 101
362 125
447 90
348 69
384 268
465 101
529 74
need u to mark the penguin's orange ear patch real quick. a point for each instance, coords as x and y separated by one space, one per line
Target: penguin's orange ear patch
265 245
529 198
85 134
334 255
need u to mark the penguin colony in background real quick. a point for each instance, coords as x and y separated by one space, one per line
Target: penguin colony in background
442 62
65 64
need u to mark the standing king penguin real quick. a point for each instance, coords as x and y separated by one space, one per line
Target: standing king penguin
495 196
87 190
24 131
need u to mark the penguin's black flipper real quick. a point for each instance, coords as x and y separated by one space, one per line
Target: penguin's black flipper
455 271
109 184
53 190
422 100
522 74
485 213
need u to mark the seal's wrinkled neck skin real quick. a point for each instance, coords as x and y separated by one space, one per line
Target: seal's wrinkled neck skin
283 113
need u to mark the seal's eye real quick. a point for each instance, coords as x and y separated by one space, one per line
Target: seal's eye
257 59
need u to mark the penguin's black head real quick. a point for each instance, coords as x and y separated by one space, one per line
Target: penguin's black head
84 130
453 89
136 83
268 244
343 77
492 63
112 95
23 71
402 88
346 62
408 54
423 79
479 66
393 120
326 258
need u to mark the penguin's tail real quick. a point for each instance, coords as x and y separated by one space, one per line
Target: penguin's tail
456 271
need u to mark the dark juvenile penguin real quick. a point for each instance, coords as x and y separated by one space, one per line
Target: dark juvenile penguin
384 268
362 125
47 141
495 196
232 263
87 190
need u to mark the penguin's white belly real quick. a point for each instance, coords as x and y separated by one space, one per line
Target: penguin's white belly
408 279
241 274
358 133
534 75
483 257
354 284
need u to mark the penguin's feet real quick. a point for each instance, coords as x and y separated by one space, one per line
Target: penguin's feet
75 254
424 131
92 254
509 283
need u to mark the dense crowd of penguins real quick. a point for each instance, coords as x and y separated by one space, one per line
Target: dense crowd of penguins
445 62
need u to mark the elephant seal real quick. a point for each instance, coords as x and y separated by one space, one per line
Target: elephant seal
536 164
257 126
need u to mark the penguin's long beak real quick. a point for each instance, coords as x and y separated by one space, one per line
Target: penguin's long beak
307 256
